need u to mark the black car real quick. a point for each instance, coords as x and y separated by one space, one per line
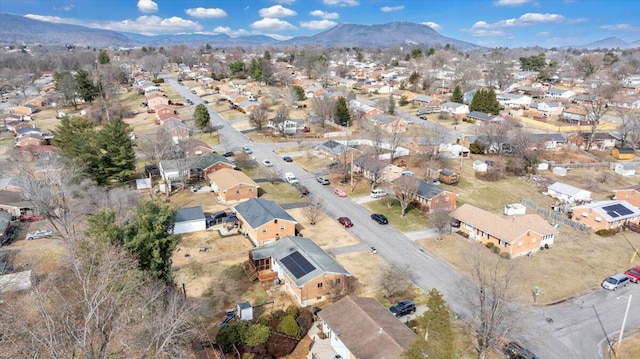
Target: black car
228 154
302 189
380 218
402 308
516 351
214 218
287 159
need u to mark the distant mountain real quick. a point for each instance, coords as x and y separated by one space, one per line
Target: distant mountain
384 35
15 29
609 43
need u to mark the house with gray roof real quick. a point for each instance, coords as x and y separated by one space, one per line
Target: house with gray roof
194 167
568 193
430 197
264 221
307 272
189 219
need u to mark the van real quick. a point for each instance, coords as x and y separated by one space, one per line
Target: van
290 178
376 193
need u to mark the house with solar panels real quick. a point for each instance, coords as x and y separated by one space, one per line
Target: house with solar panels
606 215
306 271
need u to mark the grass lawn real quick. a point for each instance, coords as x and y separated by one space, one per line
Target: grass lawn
413 220
630 348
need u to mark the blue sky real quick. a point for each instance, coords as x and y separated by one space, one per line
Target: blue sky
491 23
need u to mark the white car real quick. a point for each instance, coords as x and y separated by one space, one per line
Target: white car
247 150
267 163
39 233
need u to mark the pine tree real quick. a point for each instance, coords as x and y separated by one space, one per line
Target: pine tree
457 96
477 103
116 157
103 58
342 114
85 87
392 105
435 332
201 116
493 106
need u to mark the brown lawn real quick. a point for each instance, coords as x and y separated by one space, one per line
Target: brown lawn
630 347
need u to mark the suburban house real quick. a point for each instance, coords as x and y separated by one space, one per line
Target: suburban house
14 202
606 215
309 274
361 328
516 235
425 144
198 166
375 169
156 100
31 139
390 124
193 148
24 110
547 141
264 221
177 130
567 193
559 94
630 194
512 100
189 219
338 151
430 197
456 109
602 141
232 185
575 115
548 108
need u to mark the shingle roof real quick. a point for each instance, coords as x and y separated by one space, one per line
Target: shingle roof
428 190
367 328
258 211
507 229
322 261
564 188
203 161
187 214
226 178
598 207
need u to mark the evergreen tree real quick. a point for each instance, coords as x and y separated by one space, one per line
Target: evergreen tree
457 96
299 93
201 115
436 337
485 100
74 136
493 106
85 87
150 237
104 228
255 69
342 111
237 68
103 58
392 105
116 158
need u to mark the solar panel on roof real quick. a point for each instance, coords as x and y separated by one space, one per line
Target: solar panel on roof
617 210
298 265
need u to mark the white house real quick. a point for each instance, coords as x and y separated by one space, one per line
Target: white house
189 219
513 100
559 94
625 169
454 108
568 193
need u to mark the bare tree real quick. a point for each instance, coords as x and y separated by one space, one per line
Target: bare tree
493 137
374 169
153 63
491 297
440 220
588 65
396 280
312 211
282 115
259 117
596 109
499 74
393 140
630 127
324 109
405 190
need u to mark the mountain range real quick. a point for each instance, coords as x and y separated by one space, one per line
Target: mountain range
15 29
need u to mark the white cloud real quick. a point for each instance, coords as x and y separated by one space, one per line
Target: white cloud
484 32
391 8
432 25
230 32
325 15
621 27
286 2
279 37
200 12
64 8
318 24
276 11
544 33
55 19
511 2
154 25
147 6
272 24
341 3
527 19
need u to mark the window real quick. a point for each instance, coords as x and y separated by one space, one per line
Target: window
468 226
237 191
320 285
338 280
485 235
264 230
282 227
519 243
533 240
250 189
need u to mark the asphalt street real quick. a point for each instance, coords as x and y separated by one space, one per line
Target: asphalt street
578 328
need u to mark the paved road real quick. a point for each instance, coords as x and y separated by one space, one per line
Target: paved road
576 329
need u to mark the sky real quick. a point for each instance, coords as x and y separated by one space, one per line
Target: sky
491 23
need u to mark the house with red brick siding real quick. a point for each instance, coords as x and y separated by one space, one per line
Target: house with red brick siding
231 185
630 194
30 139
430 197
264 221
515 235
194 147
606 215
177 130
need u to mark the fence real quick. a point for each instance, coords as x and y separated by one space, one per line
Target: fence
608 165
555 216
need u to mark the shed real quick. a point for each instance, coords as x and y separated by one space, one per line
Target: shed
625 169
544 166
189 219
623 153
559 171
244 311
479 166
143 183
568 193
515 209
448 176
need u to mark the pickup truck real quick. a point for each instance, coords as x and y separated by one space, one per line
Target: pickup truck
290 178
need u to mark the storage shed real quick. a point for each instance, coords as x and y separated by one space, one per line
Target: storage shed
515 209
479 166
559 171
244 311
623 153
448 176
625 169
189 219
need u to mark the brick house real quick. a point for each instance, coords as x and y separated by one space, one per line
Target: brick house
430 197
630 194
195 148
308 273
157 100
516 235
264 221
606 215
177 130
199 166
30 139
232 185
389 124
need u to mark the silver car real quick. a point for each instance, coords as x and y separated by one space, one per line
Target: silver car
39 233
616 281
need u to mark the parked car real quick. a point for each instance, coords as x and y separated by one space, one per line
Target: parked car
196 188
213 218
267 163
380 218
345 221
323 180
302 189
616 281
247 150
454 223
377 193
403 308
339 192
25 218
287 159
39 233
516 351
228 154
634 274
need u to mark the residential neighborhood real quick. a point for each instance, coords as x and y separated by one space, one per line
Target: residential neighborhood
291 202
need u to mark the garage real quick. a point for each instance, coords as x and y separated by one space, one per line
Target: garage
189 219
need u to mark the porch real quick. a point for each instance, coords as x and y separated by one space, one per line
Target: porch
320 347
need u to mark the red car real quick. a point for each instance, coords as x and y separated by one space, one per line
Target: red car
339 192
345 221
634 274
24 218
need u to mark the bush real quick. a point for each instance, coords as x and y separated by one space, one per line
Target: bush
227 337
495 250
489 245
505 255
158 81
256 334
288 326
305 321
293 310
603 233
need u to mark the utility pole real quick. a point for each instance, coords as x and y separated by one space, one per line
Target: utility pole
616 353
